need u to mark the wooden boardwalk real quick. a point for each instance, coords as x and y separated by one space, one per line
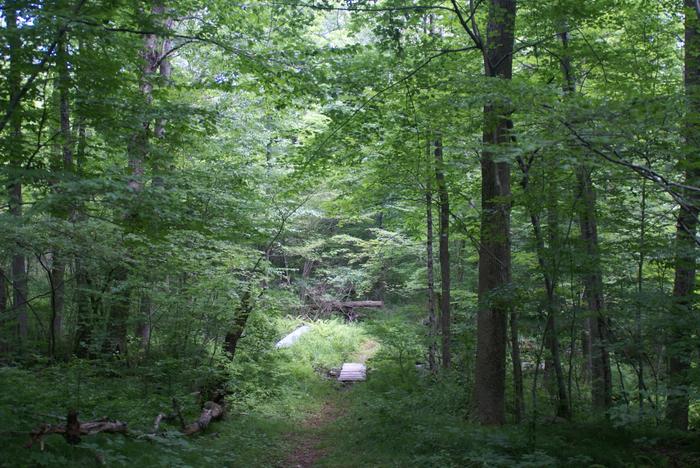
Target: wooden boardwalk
353 372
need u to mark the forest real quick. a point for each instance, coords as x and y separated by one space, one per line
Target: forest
485 212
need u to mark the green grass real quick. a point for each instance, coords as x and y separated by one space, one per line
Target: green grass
272 391
404 417
400 417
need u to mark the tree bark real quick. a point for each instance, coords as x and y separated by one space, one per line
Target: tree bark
430 269
239 322
443 196
138 151
601 378
601 375
83 330
15 149
519 402
550 278
681 347
65 166
494 251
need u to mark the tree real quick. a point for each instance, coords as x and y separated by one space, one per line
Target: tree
494 251
680 348
443 196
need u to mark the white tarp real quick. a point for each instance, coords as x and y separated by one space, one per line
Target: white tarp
292 338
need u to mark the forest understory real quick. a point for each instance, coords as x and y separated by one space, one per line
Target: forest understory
294 415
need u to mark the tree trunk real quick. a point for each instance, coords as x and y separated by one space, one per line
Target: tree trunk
138 150
432 323
444 254
681 347
83 330
3 292
519 402
239 323
638 337
548 269
494 251
143 329
601 378
15 149
65 165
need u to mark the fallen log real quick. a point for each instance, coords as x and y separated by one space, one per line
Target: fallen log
348 307
176 414
73 429
211 412
357 304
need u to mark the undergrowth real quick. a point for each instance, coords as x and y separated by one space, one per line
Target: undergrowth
271 391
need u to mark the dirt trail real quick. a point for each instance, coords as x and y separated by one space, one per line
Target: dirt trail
308 442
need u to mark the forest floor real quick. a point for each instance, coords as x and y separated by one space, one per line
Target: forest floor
310 443
285 412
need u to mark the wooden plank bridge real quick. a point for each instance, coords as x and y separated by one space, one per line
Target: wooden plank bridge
353 372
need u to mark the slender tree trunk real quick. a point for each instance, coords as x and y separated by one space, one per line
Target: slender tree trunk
158 61
65 165
601 378
138 150
15 149
3 292
519 401
143 329
58 269
682 346
550 277
494 251
83 335
638 337
601 375
444 254
432 323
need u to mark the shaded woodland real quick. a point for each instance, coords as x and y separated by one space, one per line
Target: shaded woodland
492 204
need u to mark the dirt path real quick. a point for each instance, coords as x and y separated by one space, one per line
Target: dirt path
308 442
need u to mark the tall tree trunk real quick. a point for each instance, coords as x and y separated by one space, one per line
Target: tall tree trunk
601 378
494 251
83 334
443 196
519 402
65 165
158 60
432 323
549 275
638 337
138 150
681 348
3 291
15 149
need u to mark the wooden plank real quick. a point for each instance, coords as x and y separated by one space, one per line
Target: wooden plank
292 338
353 372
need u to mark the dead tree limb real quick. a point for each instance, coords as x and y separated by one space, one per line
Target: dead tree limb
211 412
73 429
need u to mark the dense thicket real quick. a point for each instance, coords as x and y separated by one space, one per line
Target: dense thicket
518 181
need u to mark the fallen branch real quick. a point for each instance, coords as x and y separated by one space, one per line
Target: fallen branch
73 429
175 415
211 412
348 307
